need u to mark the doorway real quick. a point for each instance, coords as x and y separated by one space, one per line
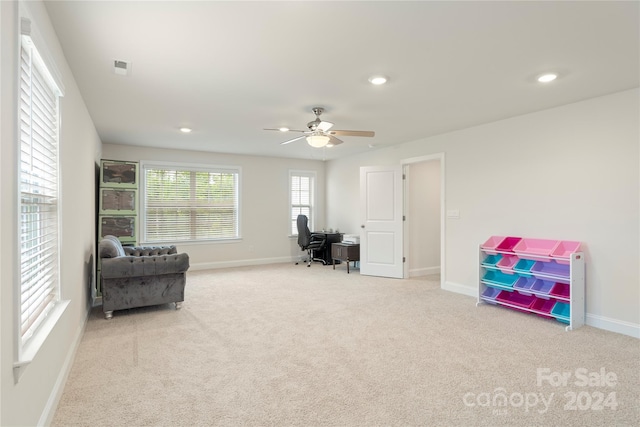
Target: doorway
424 225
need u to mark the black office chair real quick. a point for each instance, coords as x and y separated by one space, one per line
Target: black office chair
310 242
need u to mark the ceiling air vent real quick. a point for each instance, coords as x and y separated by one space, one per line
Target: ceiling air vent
122 68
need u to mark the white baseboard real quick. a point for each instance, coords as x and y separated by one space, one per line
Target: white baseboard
460 289
49 411
600 322
425 271
240 263
613 325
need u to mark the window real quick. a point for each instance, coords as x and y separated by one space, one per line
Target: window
39 203
187 203
301 190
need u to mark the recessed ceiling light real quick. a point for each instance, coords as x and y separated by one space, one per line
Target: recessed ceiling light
378 80
185 130
546 78
283 129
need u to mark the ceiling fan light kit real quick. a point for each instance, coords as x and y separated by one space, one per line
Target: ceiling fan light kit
319 135
318 140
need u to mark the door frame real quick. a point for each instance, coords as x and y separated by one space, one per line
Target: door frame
405 230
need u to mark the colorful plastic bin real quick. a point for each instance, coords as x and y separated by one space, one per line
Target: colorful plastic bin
491 260
541 288
508 244
562 312
542 307
561 290
563 250
489 295
523 267
551 270
506 264
491 244
535 248
516 299
498 279
523 285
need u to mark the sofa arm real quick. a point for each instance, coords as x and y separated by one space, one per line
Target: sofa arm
135 266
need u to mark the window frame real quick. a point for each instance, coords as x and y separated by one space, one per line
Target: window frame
29 341
192 167
293 232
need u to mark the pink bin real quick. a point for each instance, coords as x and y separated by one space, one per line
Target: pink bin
543 307
535 248
561 291
489 247
508 243
563 250
506 264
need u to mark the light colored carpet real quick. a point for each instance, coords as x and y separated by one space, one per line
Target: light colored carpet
286 345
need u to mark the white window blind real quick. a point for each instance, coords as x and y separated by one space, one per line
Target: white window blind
39 222
185 204
301 193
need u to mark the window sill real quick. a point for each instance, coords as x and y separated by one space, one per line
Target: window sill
31 348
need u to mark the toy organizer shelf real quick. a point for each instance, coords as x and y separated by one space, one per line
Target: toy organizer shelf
543 277
117 205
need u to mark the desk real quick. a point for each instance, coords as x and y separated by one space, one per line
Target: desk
325 254
345 252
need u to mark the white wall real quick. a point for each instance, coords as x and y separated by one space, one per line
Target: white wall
423 217
32 400
570 173
264 200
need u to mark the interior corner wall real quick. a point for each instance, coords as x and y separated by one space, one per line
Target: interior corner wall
264 204
33 399
570 173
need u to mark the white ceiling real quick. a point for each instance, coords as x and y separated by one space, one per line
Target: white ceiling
230 69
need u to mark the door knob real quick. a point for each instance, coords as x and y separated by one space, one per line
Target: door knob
362 226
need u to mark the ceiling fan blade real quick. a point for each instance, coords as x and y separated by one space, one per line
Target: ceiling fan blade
352 132
291 140
290 130
333 141
324 126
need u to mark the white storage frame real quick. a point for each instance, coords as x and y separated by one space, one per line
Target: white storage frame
576 284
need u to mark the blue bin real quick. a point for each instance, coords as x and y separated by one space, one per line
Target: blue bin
498 279
561 311
491 260
523 267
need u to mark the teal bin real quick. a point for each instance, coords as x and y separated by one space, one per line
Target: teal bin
562 312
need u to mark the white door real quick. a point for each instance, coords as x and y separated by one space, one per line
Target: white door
381 221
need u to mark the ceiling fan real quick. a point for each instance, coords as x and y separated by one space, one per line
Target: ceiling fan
319 134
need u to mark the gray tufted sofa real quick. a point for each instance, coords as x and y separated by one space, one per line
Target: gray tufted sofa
140 276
